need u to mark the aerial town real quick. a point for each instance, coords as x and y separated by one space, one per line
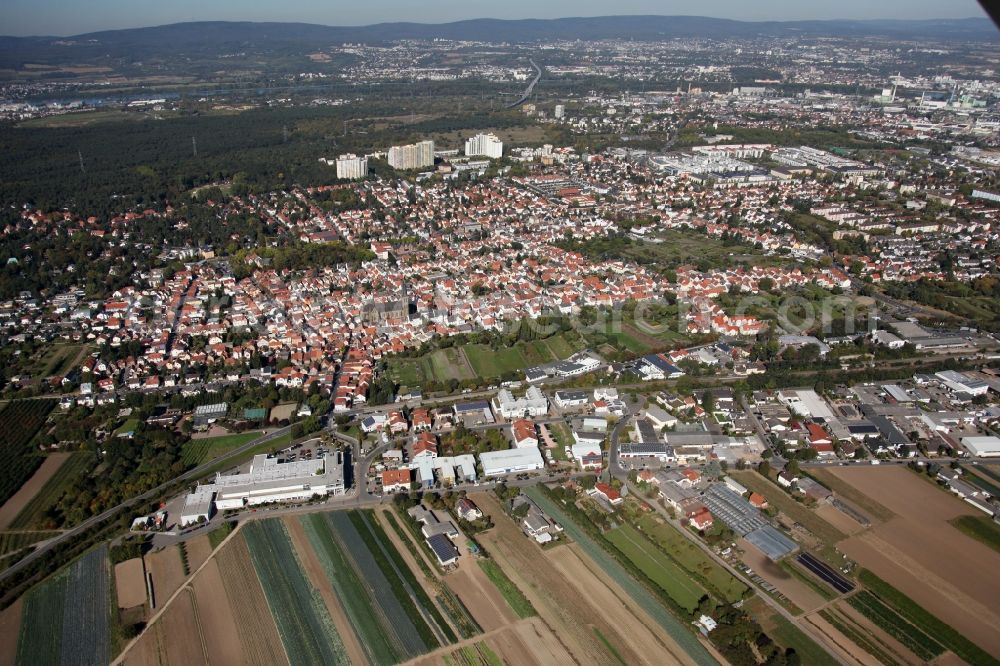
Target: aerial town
503 350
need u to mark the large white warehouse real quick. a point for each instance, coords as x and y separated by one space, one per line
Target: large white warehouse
270 479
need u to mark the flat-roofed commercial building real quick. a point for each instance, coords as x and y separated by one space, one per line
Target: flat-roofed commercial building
984 447
510 461
270 479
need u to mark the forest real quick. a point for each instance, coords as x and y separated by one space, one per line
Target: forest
101 168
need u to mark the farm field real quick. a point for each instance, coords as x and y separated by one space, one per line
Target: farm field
67 619
573 596
11 542
864 641
196 451
10 626
33 514
167 570
257 633
692 558
515 599
130 583
875 511
784 632
19 421
27 492
304 624
658 567
472 604
224 600
58 359
314 571
915 552
392 615
979 528
525 642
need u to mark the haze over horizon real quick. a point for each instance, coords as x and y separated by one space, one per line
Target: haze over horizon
69 17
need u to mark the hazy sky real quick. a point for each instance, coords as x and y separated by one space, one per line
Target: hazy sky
72 17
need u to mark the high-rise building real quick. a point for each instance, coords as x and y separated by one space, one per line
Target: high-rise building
484 144
350 166
560 111
413 156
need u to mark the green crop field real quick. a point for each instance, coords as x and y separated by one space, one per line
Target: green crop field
198 451
489 363
357 597
893 624
788 635
930 625
473 361
265 447
448 364
34 513
406 371
974 474
19 421
394 618
979 528
559 347
49 635
305 626
658 567
692 558
13 541
510 592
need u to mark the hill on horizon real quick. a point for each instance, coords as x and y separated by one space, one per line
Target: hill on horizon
486 29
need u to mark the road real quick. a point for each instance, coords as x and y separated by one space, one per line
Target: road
531 86
191 474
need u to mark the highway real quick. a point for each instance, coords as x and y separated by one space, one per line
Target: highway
531 87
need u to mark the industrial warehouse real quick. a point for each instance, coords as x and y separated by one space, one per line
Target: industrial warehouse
270 479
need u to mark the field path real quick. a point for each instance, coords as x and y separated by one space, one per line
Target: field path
534 624
15 505
317 576
467 363
164 606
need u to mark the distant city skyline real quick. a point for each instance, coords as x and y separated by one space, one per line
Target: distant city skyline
72 17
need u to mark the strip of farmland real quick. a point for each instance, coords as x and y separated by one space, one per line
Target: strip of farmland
394 567
257 631
397 606
67 618
304 624
640 594
378 638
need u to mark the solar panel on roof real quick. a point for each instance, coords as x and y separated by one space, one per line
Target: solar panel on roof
442 547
